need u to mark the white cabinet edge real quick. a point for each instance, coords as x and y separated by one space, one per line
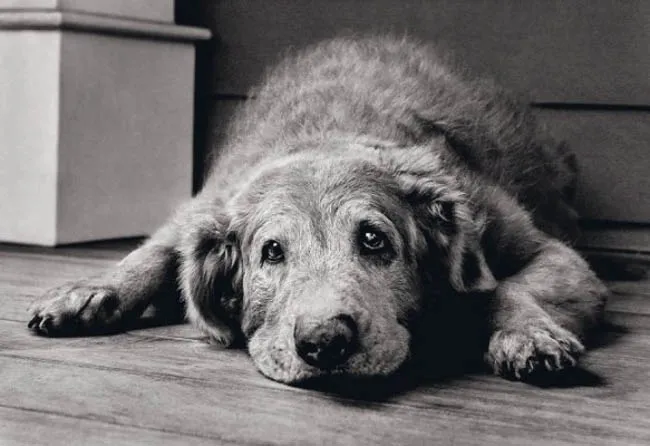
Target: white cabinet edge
49 20
153 10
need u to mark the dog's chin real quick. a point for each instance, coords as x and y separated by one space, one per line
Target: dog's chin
273 353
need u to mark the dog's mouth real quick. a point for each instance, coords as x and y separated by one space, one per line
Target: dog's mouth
374 353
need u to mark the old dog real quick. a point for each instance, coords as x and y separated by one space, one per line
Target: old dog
368 183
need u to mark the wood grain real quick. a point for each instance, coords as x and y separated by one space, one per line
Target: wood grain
26 427
165 385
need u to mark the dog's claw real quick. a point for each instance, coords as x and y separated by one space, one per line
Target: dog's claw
45 325
33 322
571 361
548 365
522 352
530 365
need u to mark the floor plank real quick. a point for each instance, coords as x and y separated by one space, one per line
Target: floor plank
480 411
27 427
165 385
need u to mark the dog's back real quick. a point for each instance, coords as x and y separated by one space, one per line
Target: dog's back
403 92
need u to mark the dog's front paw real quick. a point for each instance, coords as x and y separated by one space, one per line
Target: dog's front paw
75 308
522 352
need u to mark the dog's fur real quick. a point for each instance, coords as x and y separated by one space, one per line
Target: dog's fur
471 199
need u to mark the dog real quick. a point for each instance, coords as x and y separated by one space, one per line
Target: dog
367 187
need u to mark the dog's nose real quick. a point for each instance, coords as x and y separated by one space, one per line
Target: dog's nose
325 344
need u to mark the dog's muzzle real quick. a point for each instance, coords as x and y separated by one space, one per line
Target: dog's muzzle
325 343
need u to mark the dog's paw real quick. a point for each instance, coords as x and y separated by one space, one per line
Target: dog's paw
522 352
74 309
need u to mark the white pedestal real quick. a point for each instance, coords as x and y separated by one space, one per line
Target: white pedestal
96 118
155 10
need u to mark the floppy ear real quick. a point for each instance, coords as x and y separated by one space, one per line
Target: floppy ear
211 279
446 218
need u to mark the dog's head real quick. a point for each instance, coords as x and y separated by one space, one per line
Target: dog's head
322 262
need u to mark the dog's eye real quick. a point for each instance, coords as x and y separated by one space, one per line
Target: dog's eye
372 241
272 252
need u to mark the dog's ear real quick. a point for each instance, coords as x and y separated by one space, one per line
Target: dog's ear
211 276
444 215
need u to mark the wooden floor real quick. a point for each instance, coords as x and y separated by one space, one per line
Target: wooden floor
165 386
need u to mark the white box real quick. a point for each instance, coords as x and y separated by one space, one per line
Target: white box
96 125
157 10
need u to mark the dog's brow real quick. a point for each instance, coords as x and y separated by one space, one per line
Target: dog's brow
289 226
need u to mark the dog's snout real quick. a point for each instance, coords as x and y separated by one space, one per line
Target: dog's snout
325 344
